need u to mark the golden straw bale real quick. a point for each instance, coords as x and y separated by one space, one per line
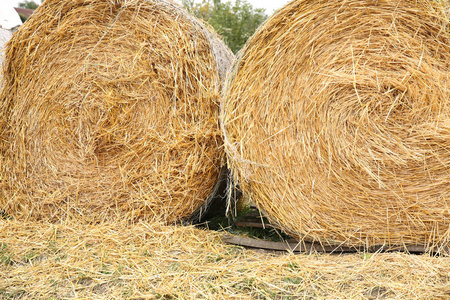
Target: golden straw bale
110 110
336 120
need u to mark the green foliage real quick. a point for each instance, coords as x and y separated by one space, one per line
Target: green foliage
28 4
22 18
236 22
14 294
5 255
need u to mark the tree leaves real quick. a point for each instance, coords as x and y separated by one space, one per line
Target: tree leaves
236 22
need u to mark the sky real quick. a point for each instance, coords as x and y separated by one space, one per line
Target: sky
9 18
269 5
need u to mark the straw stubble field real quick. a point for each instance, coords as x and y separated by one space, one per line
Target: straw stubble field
116 261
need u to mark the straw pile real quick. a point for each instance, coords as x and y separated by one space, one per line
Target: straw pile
150 261
337 121
110 110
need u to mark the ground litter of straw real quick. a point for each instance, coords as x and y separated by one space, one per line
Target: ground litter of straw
111 261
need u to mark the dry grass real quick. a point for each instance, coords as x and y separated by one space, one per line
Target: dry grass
336 121
109 110
115 261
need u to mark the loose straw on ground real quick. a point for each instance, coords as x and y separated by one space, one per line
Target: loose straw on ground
337 121
151 261
110 110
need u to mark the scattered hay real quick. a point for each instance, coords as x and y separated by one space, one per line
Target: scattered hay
74 261
336 121
110 110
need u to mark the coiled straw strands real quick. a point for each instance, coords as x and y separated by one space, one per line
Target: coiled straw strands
337 121
110 110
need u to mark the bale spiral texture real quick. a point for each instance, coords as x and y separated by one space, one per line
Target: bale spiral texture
110 110
336 120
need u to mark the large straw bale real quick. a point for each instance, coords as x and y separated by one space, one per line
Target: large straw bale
110 110
337 121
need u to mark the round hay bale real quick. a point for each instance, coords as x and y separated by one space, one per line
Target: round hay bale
110 110
336 121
